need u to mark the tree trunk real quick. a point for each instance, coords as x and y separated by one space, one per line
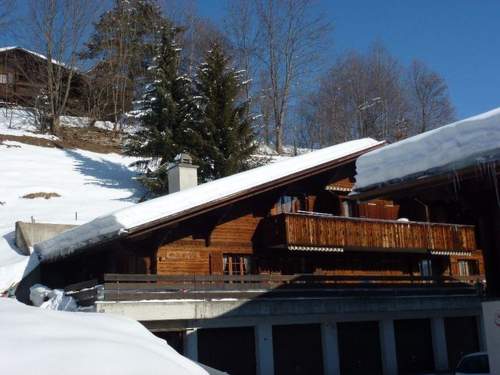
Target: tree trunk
279 139
55 125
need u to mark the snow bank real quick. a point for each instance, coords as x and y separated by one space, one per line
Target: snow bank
451 147
119 222
37 341
88 184
20 121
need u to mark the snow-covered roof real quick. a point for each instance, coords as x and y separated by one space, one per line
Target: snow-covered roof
11 48
462 144
189 201
39 341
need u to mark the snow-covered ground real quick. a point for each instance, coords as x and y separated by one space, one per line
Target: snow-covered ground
470 142
89 184
47 342
19 121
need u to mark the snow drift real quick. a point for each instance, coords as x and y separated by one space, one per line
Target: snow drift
452 147
38 341
120 222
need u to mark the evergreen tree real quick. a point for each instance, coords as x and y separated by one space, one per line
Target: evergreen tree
165 112
225 138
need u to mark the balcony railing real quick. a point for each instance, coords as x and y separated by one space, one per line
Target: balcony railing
136 287
309 231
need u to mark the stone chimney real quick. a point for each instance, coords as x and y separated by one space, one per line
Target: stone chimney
182 174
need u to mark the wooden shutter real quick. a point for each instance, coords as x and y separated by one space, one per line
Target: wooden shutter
216 264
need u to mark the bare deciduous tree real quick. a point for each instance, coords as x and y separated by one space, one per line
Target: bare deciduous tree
123 41
372 95
59 27
360 96
198 33
292 35
428 94
243 33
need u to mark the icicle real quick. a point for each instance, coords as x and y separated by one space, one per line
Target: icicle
493 176
456 183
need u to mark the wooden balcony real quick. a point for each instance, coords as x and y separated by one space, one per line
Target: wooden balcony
311 231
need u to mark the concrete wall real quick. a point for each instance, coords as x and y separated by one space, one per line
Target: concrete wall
491 330
193 310
29 234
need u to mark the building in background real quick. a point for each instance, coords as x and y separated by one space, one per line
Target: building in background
23 80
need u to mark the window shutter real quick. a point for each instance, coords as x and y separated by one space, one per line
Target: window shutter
216 266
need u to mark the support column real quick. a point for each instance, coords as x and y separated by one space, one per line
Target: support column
388 347
264 349
481 333
439 344
191 344
330 346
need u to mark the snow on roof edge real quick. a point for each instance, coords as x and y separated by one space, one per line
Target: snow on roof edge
119 223
10 48
449 148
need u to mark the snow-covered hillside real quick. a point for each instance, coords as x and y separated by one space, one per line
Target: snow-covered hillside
19 121
88 184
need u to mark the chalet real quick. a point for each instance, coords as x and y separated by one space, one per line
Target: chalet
278 270
23 79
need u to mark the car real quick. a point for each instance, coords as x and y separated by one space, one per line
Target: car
474 364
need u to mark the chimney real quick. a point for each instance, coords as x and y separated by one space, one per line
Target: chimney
182 174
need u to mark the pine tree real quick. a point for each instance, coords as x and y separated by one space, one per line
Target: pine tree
225 138
165 112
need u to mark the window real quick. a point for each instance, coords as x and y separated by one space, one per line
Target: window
236 264
468 267
346 208
6 78
285 204
425 267
289 203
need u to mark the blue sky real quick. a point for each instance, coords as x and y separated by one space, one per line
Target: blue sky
460 39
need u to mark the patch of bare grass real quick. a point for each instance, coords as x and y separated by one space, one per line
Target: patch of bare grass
41 194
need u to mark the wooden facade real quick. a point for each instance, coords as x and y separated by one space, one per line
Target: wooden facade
23 80
303 228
